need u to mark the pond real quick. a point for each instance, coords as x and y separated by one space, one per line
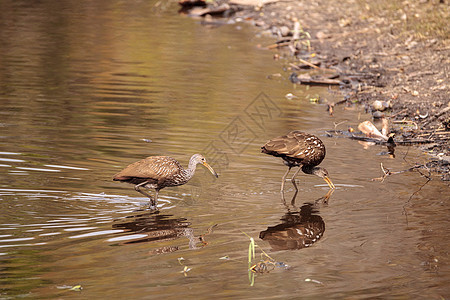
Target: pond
90 87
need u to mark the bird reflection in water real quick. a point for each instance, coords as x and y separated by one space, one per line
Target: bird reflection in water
299 229
151 227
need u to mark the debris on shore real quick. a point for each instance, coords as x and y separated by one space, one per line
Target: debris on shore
382 58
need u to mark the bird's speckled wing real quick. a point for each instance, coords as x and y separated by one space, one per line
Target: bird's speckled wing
152 168
304 147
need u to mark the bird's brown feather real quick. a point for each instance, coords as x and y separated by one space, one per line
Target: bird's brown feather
296 147
152 169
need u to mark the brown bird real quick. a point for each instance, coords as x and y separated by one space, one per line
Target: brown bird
158 172
299 149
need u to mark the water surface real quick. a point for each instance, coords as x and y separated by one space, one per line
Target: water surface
87 88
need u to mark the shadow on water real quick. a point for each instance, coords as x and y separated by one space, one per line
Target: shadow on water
299 228
154 227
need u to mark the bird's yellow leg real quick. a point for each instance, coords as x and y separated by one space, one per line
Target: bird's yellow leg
284 179
293 178
138 189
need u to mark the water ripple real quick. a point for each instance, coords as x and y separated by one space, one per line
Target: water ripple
96 233
67 167
11 159
37 169
73 216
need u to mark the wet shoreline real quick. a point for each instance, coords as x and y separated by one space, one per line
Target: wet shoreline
374 54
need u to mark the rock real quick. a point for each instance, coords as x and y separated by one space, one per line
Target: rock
192 3
285 31
377 114
381 105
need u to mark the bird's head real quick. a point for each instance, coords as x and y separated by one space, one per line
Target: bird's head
200 159
322 173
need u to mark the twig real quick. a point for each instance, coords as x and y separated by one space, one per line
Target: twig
386 173
337 124
426 168
418 141
201 238
294 66
436 115
308 63
382 142
406 153
317 81
396 114
341 101
278 45
406 121
410 197
368 139
434 132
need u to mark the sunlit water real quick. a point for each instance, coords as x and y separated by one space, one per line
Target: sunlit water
87 88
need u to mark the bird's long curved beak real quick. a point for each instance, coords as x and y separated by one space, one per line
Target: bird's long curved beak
210 169
330 183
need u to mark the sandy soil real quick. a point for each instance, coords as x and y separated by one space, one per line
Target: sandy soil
396 53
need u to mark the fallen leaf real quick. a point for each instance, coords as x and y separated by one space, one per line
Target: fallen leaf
370 130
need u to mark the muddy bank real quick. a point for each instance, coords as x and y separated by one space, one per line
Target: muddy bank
396 54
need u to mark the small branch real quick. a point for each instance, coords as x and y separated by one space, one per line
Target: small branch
337 124
278 45
387 172
410 197
432 118
396 114
407 121
308 63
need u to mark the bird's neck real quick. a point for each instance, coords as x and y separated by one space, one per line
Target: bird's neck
189 172
310 169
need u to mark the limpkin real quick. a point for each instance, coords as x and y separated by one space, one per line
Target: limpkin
158 172
299 149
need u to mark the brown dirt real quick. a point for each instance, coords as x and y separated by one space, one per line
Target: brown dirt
392 51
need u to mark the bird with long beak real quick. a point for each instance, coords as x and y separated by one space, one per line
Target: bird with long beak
158 172
299 149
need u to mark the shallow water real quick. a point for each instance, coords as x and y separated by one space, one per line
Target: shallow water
87 88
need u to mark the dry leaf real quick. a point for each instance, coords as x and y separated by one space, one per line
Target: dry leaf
371 131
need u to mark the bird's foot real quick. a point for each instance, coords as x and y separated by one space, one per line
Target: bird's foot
153 205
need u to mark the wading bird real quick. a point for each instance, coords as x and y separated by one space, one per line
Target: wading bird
299 149
158 172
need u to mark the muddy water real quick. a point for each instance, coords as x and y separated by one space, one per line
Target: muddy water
87 88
